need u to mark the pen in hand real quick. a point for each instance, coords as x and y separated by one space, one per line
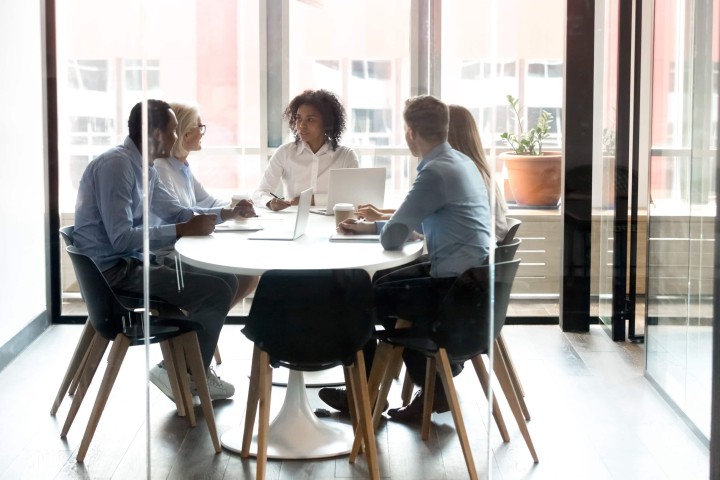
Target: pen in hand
276 197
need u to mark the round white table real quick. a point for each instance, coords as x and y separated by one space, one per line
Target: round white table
296 432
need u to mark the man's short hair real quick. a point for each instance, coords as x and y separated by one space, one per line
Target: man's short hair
428 117
158 117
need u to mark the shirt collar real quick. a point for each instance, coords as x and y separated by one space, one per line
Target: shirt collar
301 146
177 164
435 152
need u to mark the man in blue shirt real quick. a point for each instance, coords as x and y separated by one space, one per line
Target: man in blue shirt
109 229
448 206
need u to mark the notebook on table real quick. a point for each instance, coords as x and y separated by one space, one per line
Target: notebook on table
301 220
338 237
356 186
238 226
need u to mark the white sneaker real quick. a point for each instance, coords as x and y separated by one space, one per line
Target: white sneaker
219 389
159 377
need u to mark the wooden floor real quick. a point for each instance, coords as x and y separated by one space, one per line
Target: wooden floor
594 416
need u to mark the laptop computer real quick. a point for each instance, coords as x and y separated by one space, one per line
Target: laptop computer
301 220
356 186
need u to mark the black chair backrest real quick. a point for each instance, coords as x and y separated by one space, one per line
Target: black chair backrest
506 252
513 225
105 311
67 235
311 319
463 325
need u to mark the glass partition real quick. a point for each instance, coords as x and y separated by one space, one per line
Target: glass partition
683 206
603 217
215 55
484 59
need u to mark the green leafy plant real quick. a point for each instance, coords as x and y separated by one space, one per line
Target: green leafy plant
527 142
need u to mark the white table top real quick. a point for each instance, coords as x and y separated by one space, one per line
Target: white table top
232 252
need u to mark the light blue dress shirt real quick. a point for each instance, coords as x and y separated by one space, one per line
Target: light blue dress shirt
180 181
108 210
448 203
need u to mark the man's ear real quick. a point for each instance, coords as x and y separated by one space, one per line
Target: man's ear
157 135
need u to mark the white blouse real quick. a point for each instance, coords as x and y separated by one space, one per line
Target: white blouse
299 168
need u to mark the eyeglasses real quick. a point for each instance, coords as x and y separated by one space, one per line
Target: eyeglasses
202 129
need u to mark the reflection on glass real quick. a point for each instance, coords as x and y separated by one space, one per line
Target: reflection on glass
604 164
485 57
683 206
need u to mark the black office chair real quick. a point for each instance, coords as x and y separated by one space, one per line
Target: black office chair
79 358
310 320
123 325
460 333
513 225
72 374
505 252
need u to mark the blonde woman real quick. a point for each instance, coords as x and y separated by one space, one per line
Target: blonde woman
175 174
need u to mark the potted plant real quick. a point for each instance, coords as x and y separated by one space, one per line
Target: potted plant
534 175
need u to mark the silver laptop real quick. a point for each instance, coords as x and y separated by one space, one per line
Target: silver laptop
356 186
301 220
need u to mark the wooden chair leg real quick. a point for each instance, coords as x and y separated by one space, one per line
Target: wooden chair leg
191 348
502 348
381 378
395 357
429 394
117 354
76 379
216 356
358 379
484 378
74 369
349 391
94 357
506 385
180 366
169 362
252 403
265 386
449 386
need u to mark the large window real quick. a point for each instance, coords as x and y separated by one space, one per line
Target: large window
228 53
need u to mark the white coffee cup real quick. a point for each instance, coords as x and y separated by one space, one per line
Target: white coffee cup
343 211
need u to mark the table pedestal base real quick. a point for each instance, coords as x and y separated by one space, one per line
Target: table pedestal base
296 432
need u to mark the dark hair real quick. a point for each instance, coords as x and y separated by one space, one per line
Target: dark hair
158 117
427 116
330 108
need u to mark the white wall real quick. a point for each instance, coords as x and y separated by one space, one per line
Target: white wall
22 160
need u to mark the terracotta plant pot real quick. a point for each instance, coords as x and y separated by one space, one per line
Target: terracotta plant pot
534 180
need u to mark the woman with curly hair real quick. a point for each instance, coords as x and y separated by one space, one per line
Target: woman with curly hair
317 121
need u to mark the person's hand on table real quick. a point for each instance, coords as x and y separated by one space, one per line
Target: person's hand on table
372 213
203 224
277 204
244 209
352 226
